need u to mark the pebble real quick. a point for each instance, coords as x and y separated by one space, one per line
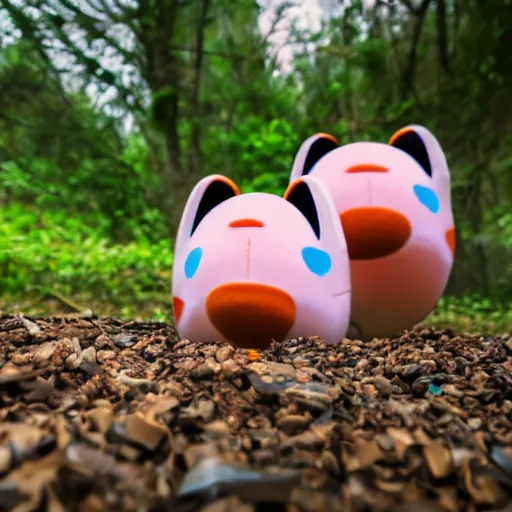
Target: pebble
292 423
359 422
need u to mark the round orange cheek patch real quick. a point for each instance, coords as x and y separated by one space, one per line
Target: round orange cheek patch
450 238
178 305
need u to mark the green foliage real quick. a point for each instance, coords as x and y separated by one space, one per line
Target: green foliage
264 154
45 251
89 207
472 313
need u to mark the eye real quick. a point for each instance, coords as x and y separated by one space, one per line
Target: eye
318 261
427 197
192 262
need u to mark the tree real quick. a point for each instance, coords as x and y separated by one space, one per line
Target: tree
155 68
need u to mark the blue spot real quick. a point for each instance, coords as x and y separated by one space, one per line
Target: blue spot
318 261
192 262
427 197
435 389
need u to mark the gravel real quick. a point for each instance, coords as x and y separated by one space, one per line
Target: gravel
100 414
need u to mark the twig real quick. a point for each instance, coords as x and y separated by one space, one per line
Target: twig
65 300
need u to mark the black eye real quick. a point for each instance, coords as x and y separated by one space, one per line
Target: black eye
300 196
216 193
318 149
413 144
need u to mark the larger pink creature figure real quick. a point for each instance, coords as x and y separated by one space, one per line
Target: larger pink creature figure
395 207
250 268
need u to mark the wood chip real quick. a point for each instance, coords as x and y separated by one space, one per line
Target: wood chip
99 414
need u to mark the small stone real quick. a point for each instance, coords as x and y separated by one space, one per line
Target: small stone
224 353
43 353
450 389
307 441
22 359
202 410
292 423
439 459
140 430
214 365
217 427
230 367
124 340
5 458
412 371
383 385
102 342
102 418
105 355
202 372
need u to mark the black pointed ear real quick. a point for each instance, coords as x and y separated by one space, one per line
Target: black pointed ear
313 200
310 152
409 139
299 194
217 191
206 195
423 146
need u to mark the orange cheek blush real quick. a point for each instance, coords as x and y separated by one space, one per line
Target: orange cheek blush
450 239
178 305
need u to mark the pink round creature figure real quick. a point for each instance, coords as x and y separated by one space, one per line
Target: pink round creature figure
395 207
249 268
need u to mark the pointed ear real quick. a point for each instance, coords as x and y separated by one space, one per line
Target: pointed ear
311 150
420 143
206 195
311 197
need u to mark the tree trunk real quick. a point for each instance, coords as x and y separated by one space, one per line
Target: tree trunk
442 36
410 70
475 219
163 74
195 163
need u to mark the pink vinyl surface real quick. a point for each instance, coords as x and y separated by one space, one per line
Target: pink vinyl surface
398 223
259 266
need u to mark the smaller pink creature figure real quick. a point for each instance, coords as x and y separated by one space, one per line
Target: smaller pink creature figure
395 207
252 268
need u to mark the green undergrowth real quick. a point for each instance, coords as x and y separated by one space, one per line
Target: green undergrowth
472 314
49 257
53 263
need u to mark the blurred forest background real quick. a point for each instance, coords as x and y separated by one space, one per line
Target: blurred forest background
111 110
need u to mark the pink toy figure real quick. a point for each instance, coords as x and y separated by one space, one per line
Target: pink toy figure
255 267
395 207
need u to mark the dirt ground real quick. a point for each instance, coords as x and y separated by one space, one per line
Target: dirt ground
100 414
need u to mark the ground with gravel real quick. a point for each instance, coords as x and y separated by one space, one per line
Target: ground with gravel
100 414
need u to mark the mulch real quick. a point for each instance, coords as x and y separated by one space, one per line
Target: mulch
102 414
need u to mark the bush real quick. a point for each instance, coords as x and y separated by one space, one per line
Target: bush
473 313
46 252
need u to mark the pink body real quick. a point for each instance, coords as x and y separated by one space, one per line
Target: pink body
258 239
395 207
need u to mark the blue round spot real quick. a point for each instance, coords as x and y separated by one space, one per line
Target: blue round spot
318 261
192 262
427 197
